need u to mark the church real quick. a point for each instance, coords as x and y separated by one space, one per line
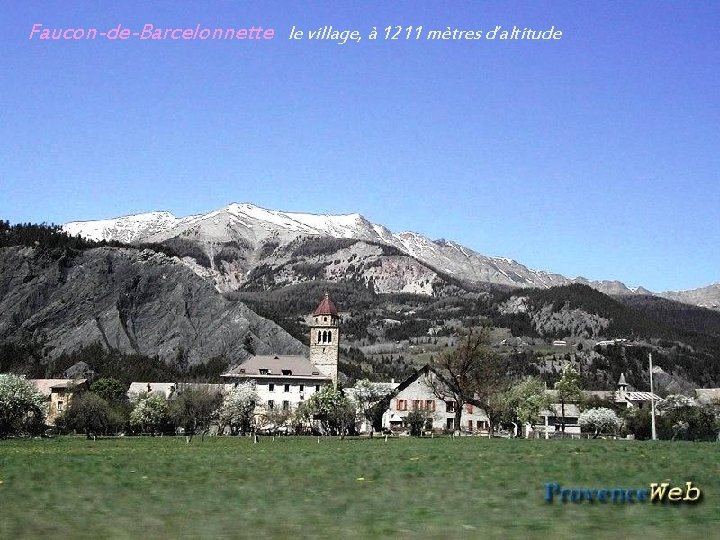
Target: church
284 381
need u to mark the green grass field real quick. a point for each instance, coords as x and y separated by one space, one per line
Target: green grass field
297 488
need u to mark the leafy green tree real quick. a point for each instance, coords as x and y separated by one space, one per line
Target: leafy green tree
238 408
680 417
22 406
91 414
417 420
150 414
194 410
568 390
638 422
110 389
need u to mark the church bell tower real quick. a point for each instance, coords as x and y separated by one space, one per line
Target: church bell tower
325 338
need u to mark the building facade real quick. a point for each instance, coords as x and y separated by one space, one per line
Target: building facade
283 382
59 394
417 394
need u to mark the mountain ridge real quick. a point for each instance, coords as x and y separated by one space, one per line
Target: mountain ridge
256 227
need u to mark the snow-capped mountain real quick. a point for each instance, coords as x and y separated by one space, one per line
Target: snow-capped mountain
239 238
252 226
124 229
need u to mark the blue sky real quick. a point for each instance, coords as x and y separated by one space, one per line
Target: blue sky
596 155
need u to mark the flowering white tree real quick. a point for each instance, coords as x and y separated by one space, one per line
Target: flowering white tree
238 407
366 395
599 420
675 402
22 407
150 413
331 408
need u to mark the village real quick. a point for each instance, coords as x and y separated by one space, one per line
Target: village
297 394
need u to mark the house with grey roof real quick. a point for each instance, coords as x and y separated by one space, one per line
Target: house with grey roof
169 390
551 418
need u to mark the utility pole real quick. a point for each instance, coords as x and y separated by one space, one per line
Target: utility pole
652 400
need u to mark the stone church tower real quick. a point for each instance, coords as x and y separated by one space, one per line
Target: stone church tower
325 338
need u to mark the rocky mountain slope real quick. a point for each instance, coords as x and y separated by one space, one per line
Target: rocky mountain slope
234 244
707 297
129 300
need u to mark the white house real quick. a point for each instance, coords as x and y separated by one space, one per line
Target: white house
416 394
282 381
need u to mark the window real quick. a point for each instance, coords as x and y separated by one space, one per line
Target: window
317 387
60 406
429 404
287 372
271 387
271 404
470 425
319 336
287 387
330 337
302 387
401 405
450 406
263 371
286 405
417 404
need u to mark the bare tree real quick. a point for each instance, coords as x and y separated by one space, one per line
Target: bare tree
471 374
194 410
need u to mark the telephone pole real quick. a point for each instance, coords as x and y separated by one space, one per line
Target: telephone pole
652 401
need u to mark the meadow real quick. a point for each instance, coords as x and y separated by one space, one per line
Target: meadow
290 487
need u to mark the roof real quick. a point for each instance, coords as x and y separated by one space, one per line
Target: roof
209 387
169 389
164 388
601 394
46 386
275 366
326 307
707 395
636 396
571 410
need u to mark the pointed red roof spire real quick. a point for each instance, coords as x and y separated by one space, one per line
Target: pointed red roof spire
326 307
